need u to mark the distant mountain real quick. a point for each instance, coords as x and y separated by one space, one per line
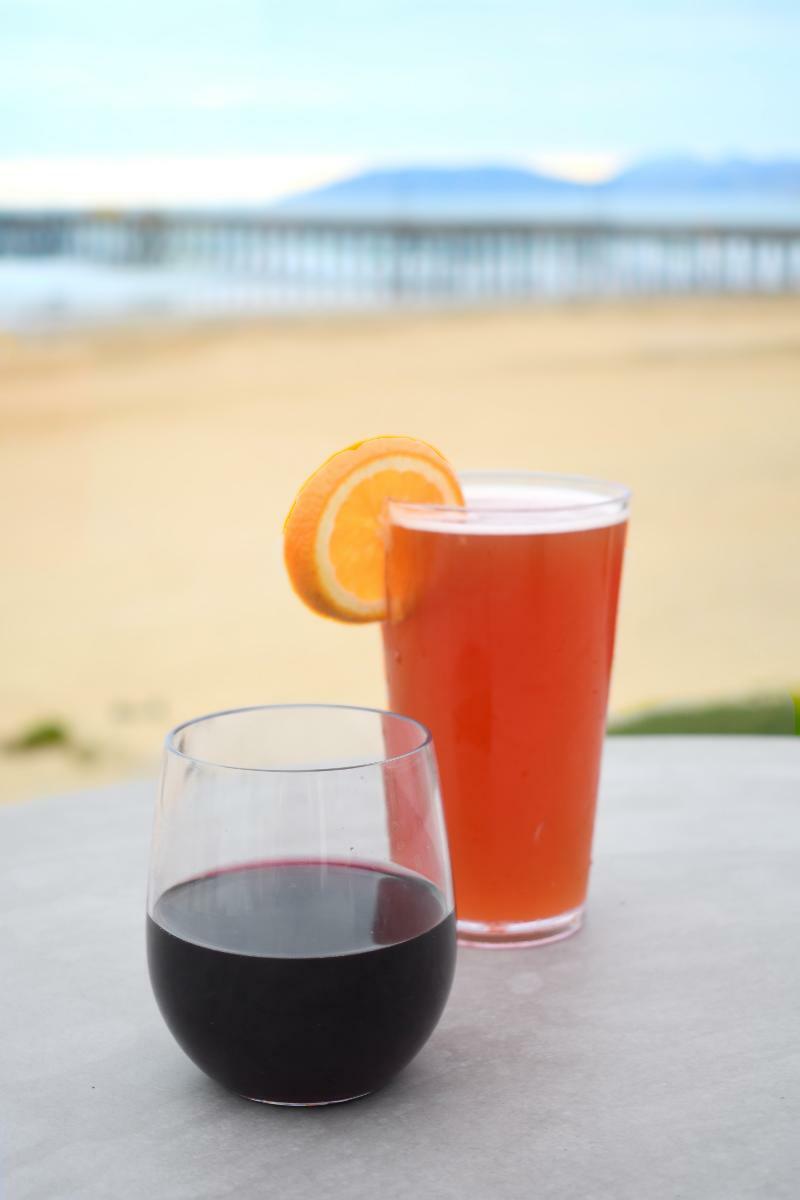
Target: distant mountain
684 174
678 185
431 189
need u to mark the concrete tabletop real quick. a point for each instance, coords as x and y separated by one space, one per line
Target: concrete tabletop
657 1054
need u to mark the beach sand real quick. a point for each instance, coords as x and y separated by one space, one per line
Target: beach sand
145 475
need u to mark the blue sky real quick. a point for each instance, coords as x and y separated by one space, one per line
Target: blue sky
388 80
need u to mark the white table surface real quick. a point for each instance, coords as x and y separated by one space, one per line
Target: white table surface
657 1054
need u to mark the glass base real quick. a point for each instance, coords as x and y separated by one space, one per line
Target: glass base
505 936
306 1103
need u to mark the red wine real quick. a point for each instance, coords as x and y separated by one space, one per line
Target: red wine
302 982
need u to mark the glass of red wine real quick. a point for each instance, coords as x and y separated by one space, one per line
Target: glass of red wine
300 927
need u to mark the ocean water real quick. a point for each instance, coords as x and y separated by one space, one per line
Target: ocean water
48 294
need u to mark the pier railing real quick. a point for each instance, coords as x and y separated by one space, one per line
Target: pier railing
353 261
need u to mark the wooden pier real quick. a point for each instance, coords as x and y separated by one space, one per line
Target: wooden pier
366 261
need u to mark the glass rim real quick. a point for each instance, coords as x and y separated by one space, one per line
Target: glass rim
356 765
617 497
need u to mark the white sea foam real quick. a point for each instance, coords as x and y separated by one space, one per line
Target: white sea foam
521 504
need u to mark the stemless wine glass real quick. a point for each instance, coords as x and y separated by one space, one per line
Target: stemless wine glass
300 926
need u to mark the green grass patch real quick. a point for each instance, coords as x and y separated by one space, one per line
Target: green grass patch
41 735
756 715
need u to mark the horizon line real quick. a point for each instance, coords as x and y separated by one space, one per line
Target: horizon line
141 181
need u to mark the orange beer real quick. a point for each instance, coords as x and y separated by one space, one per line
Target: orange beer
499 638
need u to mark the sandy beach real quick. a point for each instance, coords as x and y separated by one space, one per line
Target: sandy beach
145 476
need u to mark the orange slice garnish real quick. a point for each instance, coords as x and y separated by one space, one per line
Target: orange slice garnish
333 537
